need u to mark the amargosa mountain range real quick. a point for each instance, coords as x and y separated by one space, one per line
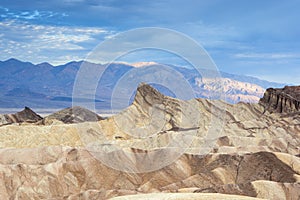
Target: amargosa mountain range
46 86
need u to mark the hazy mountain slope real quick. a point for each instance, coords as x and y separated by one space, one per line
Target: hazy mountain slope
262 83
45 83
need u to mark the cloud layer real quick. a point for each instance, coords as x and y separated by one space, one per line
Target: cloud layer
56 44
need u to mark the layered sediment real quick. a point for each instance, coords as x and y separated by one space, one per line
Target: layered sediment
285 100
26 115
195 149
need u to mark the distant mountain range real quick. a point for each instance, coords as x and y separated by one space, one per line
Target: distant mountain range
47 86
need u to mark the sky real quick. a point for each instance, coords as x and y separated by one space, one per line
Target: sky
257 38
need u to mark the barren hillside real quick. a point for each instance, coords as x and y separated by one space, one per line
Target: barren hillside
158 144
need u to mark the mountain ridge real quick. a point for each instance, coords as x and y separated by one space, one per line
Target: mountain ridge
139 64
47 82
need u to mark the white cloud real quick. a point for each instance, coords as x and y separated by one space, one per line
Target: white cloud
267 55
22 39
29 15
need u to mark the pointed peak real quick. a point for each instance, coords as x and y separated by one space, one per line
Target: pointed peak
27 108
28 113
146 88
148 94
14 60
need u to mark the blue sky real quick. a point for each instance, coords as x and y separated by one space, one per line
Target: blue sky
258 38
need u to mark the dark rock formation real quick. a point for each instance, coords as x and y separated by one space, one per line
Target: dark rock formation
74 114
26 115
286 100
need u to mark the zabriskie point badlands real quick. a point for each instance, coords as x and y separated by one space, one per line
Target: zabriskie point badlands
149 100
254 156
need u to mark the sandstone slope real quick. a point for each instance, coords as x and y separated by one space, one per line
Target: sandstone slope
195 146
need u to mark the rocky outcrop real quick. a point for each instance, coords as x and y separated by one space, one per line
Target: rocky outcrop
286 100
26 115
191 149
71 115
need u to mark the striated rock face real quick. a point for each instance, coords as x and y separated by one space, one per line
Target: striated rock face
26 115
286 100
71 115
73 173
196 149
